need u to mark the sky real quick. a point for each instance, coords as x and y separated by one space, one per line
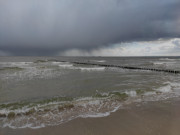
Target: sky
89 27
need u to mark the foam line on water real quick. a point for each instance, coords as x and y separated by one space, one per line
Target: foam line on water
54 112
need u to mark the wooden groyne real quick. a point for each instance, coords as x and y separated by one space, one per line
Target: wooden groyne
127 67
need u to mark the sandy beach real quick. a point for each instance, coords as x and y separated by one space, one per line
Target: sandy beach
89 67
152 118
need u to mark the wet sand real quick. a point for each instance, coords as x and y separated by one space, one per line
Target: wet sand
152 118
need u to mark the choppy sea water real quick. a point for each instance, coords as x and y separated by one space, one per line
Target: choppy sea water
42 91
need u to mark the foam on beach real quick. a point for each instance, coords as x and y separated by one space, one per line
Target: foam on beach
58 110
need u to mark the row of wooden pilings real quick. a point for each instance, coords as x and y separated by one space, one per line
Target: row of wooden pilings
127 67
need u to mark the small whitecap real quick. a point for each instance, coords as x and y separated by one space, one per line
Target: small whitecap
165 89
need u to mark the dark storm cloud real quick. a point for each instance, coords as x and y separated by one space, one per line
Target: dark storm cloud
46 27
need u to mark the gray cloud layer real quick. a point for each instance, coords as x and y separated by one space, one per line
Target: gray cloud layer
46 27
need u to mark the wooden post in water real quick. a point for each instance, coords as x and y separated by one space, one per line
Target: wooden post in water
126 67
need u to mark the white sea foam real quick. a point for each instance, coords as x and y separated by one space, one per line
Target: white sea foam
31 72
165 89
98 115
91 69
66 65
101 61
70 66
20 64
57 63
131 93
167 59
159 63
174 84
83 107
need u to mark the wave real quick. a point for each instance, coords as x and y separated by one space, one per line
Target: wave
167 59
43 70
57 110
11 68
100 61
65 65
15 64
166 88
77 67
159 63
30 73
91 68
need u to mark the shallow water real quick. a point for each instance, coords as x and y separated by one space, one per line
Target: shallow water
42 91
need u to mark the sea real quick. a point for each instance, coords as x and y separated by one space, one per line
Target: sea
37 92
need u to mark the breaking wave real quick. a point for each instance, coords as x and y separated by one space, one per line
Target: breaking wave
57 110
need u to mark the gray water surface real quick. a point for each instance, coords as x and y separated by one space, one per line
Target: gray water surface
41 91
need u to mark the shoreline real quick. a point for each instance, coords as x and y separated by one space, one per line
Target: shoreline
155 117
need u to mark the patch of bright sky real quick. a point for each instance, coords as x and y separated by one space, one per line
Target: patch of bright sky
161 47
